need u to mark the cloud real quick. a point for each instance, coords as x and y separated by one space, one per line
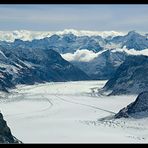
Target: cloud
86 55
26 35
103 34
131 51
83 55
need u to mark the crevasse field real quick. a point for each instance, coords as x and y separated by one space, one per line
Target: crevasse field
70 112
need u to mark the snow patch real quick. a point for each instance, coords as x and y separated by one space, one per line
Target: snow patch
1 53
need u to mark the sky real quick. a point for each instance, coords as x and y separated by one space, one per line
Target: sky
95 17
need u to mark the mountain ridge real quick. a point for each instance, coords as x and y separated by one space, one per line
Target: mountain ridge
27 66
137 109
130 77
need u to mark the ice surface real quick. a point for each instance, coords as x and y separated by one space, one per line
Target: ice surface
70 112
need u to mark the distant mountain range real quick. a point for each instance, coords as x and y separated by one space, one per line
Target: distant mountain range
35 57
70 41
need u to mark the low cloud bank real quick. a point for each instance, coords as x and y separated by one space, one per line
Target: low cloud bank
27 35
86 55
83 55
131 51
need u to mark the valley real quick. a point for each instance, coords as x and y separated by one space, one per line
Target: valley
70 112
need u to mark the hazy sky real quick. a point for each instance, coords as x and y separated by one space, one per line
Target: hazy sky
81 17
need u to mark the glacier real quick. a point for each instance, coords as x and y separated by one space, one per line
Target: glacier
70 112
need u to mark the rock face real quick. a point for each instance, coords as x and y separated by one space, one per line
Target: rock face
137 109
5 134
130 78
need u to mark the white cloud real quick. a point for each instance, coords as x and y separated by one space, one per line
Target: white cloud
83 55
26 35
86 55
104 34
131 51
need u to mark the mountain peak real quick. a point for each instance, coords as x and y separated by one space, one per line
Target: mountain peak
133 32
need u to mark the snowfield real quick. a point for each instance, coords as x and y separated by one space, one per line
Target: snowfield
70 112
